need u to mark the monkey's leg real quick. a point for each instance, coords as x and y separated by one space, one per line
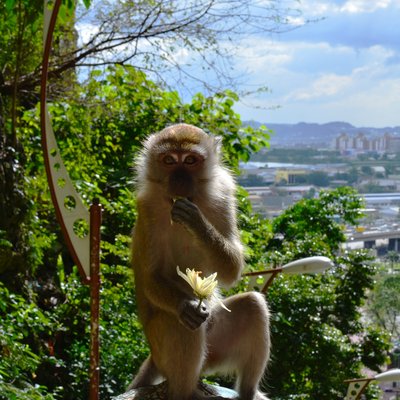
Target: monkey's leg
147 375
178 353
239 341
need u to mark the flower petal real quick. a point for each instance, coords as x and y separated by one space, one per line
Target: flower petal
203 288
183 276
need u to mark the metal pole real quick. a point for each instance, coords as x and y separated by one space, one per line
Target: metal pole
272 275
94 371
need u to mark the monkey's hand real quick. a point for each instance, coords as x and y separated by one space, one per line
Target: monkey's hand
186 213
191 315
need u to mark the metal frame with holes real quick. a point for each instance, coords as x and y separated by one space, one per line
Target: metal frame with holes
70 210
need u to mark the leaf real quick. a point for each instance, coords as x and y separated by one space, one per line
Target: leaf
87 3
10 5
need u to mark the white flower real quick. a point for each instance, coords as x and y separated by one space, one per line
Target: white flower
203 288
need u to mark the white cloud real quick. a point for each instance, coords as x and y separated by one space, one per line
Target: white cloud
296 21
326 85
362 6
309 84
345 67
259 55
317 8
273 63
86 31
371 105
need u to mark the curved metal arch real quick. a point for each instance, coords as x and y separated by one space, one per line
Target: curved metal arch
70 211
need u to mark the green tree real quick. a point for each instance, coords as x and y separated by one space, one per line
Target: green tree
21 23
18 363
384 303
124 25
145 34
367 170
320 218
353 175
100 125
98 143
318 178
17 26
393 258
316 318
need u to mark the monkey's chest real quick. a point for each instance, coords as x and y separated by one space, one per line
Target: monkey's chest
184 250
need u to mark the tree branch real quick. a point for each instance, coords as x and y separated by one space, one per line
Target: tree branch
200 26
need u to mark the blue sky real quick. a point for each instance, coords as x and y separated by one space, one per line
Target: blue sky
344 67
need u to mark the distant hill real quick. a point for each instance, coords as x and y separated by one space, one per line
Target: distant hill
305 134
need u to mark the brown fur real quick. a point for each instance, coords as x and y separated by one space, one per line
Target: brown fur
197 232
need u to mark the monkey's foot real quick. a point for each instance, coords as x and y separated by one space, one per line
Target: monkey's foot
160 392
155 392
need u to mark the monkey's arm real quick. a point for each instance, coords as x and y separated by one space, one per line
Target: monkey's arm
167 294
225 250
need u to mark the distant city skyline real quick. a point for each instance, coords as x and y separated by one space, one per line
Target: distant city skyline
344 67
361 143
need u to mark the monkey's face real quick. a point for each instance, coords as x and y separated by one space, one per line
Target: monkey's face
181 170
180 160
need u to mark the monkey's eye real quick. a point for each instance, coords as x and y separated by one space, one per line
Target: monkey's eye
169 160
190 160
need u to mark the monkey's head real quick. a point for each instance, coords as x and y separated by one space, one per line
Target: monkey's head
179 159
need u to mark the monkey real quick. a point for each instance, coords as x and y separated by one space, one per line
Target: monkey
186 217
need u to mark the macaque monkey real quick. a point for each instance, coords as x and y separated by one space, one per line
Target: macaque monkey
187 218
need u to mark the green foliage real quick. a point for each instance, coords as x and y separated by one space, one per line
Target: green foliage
44 308
302 334
123 340
21 21
318 336
20 324
384 303
318 178
99 131
321 218
123 346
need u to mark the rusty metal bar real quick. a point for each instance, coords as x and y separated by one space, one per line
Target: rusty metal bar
94 371
272 272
